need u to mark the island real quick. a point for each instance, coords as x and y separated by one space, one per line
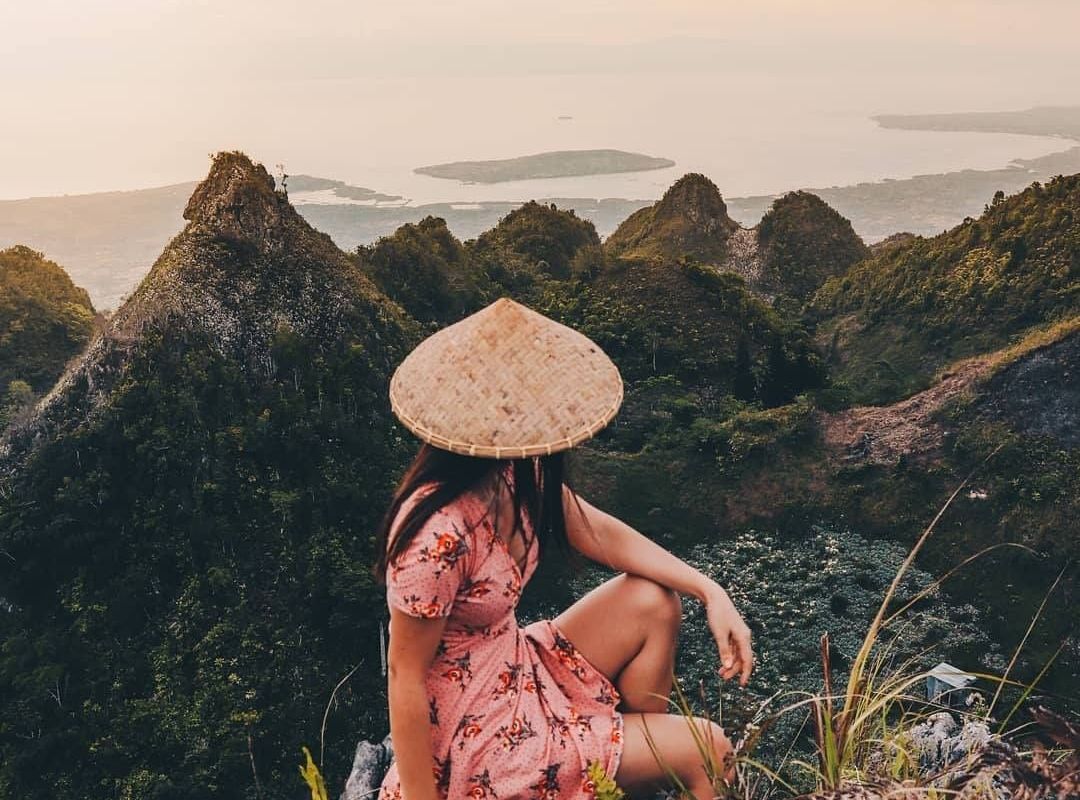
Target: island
310 183
1061 121
557 164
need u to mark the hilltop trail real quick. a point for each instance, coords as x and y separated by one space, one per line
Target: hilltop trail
884 434
910 428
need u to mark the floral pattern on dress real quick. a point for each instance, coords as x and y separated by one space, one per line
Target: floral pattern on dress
517 713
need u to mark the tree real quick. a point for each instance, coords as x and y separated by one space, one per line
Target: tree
745 384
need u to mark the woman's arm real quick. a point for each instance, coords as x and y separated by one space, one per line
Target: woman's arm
611 542
413 642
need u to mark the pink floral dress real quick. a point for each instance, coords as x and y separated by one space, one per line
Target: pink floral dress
515 712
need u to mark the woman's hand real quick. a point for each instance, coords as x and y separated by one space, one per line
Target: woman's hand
610 541
731 634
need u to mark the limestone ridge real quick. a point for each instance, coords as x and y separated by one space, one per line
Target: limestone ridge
246 266
800 242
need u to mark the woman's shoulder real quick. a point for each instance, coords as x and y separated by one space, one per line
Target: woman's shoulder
444 543
466 506
458 517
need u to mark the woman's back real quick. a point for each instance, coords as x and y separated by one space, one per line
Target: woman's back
514 712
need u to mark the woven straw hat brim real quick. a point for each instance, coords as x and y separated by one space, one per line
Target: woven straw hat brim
506 382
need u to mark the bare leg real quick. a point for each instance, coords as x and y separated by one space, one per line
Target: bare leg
642 770
628 628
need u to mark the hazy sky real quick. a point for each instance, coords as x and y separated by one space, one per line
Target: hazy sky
83 77
162 29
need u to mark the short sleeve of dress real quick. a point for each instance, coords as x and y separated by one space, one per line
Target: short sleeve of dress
424 579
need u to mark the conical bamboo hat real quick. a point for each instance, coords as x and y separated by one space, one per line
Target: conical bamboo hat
506 382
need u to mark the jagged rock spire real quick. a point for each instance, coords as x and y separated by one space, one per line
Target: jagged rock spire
246 267
237 200
696 198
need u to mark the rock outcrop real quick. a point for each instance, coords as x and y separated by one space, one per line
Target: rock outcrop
1039 393
690 221
238 200
246 266
370 764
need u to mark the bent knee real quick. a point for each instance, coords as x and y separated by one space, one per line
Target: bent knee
713 735
659 602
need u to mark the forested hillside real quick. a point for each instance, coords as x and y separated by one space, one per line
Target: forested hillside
899 316
44 321
185 524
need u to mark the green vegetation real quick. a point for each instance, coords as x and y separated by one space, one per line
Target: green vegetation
689 221
897 317
559 164
688 333
603 786
44 321
313 778
537 240
427 271
200 542
804 242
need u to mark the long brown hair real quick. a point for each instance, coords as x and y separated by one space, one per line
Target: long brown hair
538 492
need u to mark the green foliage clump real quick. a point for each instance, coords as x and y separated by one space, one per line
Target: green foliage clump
427 270
536 241
603 786
735 439
189 574
804 241
18 398
703 328
45 319
313 777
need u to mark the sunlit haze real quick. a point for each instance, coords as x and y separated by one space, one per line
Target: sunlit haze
117 94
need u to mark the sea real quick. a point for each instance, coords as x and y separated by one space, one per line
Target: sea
752 134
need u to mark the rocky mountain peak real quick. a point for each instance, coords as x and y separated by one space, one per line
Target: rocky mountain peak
696 198
690 220
245 270
237 200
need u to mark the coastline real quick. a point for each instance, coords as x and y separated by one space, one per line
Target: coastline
108 240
